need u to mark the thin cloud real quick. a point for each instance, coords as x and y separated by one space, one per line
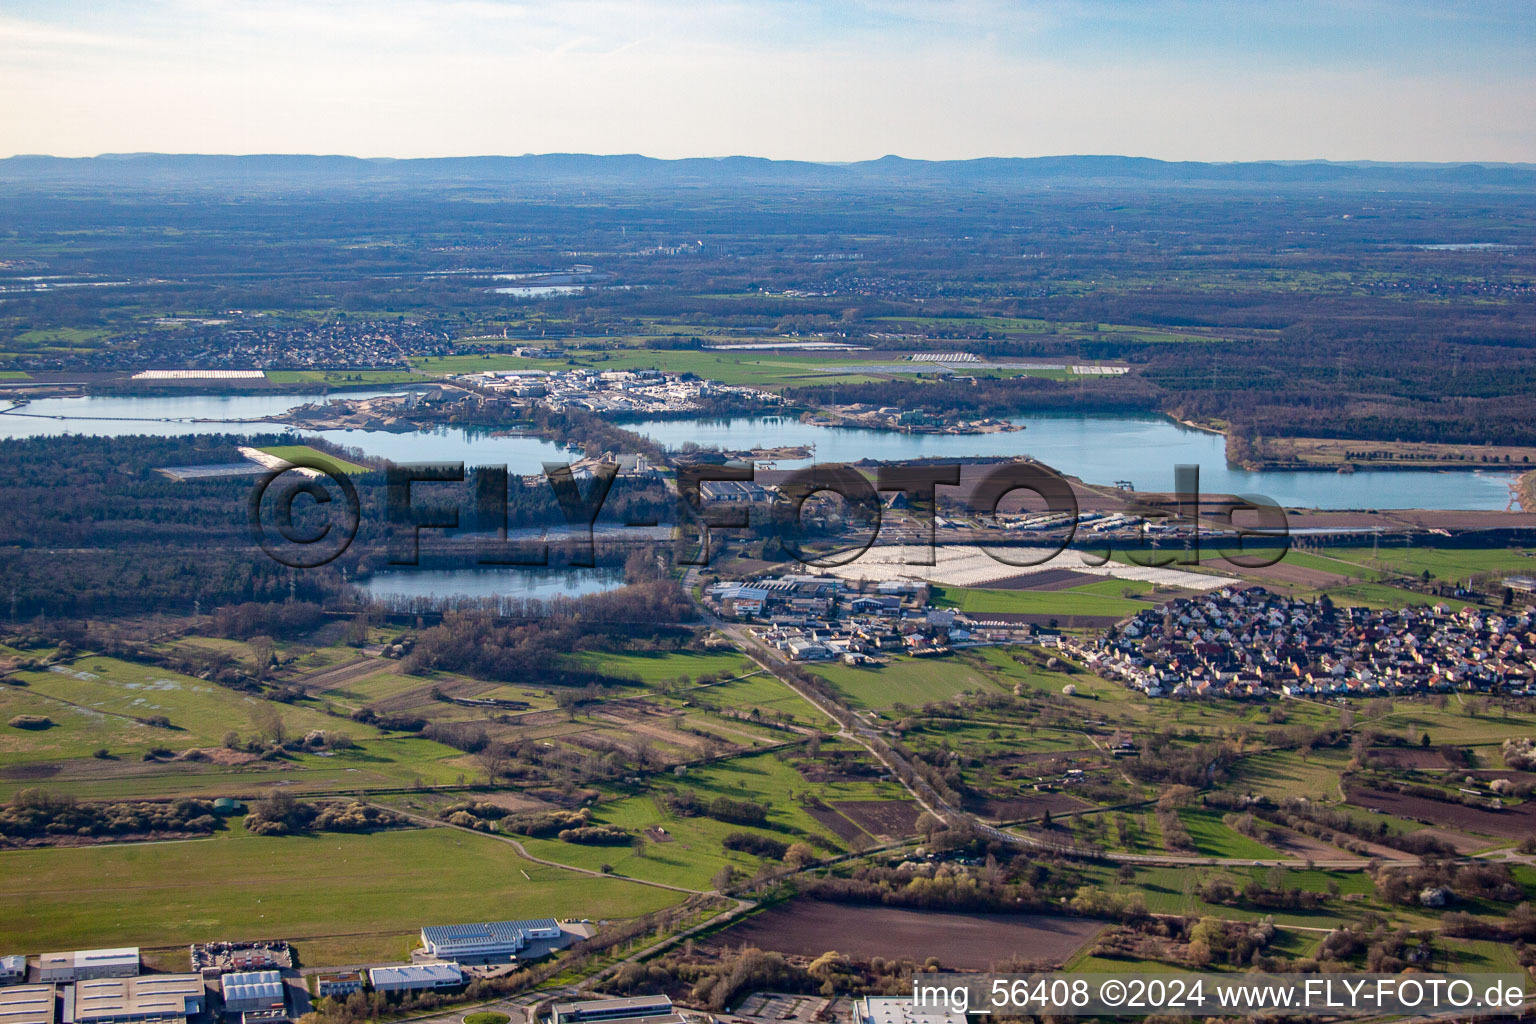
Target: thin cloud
796 79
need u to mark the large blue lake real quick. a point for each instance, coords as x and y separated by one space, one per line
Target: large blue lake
1098 449
1103 450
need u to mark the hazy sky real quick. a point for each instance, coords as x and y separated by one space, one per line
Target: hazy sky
808 79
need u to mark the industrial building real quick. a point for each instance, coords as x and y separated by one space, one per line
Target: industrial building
339 985
493 940
168 998
902 1010
254 991
13 969
740 492
635 1008
27 1004
415 977
88 963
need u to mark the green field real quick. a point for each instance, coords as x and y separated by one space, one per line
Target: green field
1030 325
650 668
1000 663
1175 890
97 702
342 898
1459 724
1099 830
694 853
959 734
910 681
1474 955
1214 839
1285 773
761 369
764 692
1442 563
387 763
304 454
60 338
1376 595
384 683
441 366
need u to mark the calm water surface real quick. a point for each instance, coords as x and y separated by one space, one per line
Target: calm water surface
1099 449
104 416
1105 449
490 582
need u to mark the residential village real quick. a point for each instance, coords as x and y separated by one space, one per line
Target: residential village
1250 643
1234 642
240 339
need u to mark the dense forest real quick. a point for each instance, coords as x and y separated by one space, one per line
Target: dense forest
91 528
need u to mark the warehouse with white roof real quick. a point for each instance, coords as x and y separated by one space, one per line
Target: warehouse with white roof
632 1009
88 963
902 1010
492 940
253 991
415 977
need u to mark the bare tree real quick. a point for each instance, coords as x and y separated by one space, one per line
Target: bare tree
262 649
269 723
493 759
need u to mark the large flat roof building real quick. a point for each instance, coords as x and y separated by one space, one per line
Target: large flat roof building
902 1010
253 990
27 1004
414 977
486 941
630 1009
169 998
89 963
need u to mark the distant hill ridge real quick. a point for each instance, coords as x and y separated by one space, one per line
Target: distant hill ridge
172 170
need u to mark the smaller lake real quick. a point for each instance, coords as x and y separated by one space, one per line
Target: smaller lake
179 415
161 416
407 584
521 455
534 290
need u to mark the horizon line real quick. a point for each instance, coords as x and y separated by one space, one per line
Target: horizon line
1364 161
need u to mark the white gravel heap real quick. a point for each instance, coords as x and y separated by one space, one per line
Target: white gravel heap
965 565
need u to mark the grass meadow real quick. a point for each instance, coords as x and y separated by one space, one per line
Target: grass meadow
342 898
